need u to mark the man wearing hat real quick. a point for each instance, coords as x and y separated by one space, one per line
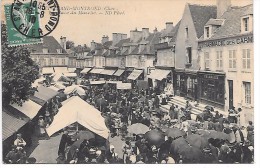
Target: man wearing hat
19 142
12 156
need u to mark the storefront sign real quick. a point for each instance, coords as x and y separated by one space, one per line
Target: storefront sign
227 42
211 76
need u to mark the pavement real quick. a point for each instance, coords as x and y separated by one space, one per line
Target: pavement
46 150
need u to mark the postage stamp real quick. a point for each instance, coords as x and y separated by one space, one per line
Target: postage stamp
15 38
35 18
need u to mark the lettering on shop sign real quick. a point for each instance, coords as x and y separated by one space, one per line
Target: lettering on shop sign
210 76
227 42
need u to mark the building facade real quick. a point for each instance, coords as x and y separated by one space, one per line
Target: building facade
228 53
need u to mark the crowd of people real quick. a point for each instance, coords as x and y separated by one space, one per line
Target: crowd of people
123 108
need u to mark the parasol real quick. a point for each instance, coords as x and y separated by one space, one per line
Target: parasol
198 141
154 137
138 128
174 133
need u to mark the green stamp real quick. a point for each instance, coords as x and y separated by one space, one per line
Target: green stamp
15 38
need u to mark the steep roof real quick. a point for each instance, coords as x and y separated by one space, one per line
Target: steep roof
107 44
48 42
121 42
216 22
200 16
232 23
175 32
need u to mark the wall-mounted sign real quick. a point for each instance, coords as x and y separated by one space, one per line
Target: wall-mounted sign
226 42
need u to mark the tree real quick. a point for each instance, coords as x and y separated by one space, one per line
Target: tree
70 45
18 72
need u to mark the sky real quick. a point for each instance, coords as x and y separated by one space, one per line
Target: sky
83 28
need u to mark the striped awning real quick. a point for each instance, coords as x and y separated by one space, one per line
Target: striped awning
108 72
11 123
85 70
135 74
159 74
96 70
119 72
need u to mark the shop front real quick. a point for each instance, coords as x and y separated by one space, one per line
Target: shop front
212 88
107 73
161 80
136 74
186 84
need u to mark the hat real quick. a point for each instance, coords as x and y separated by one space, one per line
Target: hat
98 152
47 113
112 147
40 116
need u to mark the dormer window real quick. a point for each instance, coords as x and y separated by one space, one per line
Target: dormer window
59 51
45 50
247 23
207 32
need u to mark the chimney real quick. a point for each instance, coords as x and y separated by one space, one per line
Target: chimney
115 38
155 30
123 36
135 35
63 42
145 32
92 45
104 39
222 7
169 26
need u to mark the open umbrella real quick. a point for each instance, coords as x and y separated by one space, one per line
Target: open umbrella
154 137
138 128
213 134
174 133
191 155
81 136
198 141
178 145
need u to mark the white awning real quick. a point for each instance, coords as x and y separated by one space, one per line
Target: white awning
70 75
85 70
96 70
47 70
135 74
97 82
71 70
108 72
77 110
159 74
123 86
119 72
29 108
60 70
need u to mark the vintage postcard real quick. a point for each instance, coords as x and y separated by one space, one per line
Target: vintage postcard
127 81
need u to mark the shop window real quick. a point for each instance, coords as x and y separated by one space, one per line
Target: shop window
246 59
219 60
247 87
232 59
207 60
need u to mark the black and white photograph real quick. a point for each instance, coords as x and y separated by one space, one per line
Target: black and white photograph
128 82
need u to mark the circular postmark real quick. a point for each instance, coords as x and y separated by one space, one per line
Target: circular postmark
35 18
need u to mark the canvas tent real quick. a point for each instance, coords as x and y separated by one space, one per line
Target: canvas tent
60 77
74 88
77 110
